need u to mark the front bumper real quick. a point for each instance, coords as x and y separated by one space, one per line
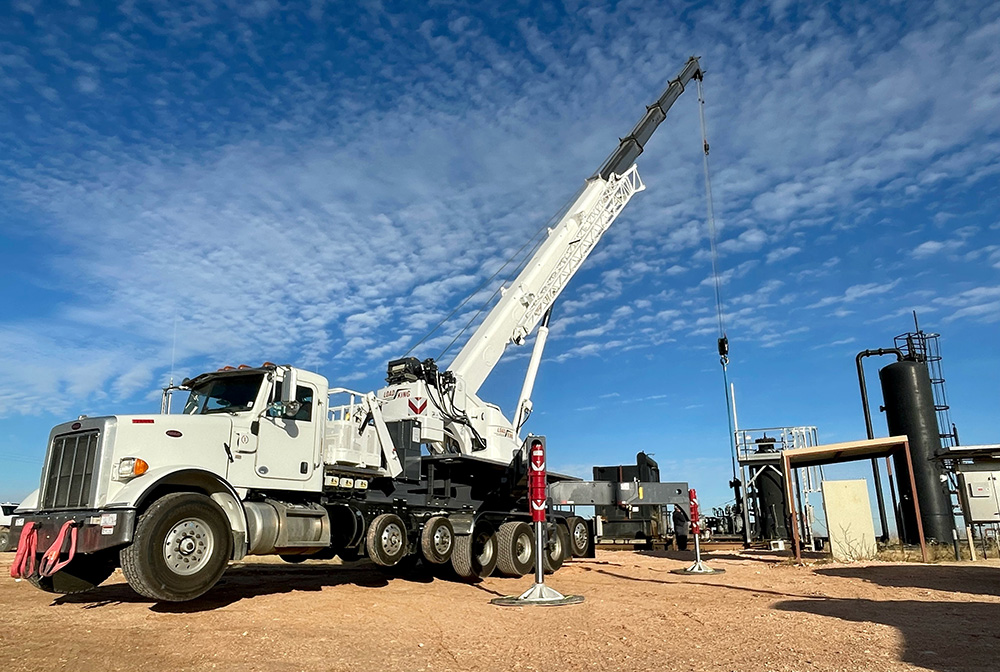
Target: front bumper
98 529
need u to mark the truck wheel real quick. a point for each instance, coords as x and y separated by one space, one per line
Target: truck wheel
557 550
181 548
515 549
437 540
84 573
475 555
4 538
579 536
387 540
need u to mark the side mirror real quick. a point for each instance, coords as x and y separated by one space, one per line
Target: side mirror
289 384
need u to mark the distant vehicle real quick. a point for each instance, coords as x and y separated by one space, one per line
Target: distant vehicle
6 516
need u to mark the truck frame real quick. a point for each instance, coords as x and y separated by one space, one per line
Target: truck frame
272 460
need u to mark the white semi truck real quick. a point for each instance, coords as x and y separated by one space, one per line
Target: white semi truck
6 516
272 460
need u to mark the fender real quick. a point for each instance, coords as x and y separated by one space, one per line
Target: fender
140 490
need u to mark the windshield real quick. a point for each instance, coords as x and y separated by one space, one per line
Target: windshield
9 509
227 394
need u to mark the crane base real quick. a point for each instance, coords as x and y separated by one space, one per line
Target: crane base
540 595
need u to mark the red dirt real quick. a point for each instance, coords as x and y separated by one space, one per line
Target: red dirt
762 614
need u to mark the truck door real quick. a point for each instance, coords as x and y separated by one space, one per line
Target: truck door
286 445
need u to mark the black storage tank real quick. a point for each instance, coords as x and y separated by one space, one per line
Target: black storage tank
772 514
909 410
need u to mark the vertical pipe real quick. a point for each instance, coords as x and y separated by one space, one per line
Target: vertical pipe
883 522
806 531
786 472
740 487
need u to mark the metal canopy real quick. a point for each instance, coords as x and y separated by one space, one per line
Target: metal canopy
849 451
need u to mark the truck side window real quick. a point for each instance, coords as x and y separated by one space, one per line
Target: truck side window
303 395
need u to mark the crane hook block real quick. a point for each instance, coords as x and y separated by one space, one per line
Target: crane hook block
723 347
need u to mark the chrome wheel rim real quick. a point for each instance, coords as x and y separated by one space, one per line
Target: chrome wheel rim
485 556
392 539
188 546
442 540
522 549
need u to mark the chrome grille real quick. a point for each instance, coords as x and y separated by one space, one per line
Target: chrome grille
70 477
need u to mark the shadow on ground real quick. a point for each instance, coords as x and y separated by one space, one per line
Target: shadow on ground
940 636
769 557
246 581
704 581
972 580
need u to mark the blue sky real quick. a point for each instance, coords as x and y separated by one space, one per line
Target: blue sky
320 183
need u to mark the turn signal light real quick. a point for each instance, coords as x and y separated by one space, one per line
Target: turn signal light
130 467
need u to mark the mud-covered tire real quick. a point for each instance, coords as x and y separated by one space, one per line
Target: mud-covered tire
386 540
475 555
85 572
557 550
437 540
515 549
4 538
181 548
579 536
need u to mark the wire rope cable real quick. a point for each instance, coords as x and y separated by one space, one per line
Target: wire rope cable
719 306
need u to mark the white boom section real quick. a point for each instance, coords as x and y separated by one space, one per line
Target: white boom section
536 288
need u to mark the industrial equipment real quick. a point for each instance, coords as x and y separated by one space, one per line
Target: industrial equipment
272 460
644 521
766 513
915 406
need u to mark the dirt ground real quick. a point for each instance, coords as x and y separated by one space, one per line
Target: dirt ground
762 614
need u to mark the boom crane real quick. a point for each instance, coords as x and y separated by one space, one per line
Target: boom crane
457 420
569 243
266 461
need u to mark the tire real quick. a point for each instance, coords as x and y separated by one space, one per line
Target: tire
437 540
475 555
386 540
579 536
4 538
515 549
557 550
83 573
181 548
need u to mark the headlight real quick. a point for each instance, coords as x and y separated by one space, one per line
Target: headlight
130 467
